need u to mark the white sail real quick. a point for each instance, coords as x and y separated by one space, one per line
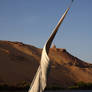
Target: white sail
40 80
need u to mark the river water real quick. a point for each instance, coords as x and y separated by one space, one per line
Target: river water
56 91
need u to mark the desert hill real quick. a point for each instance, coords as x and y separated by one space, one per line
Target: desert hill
19 62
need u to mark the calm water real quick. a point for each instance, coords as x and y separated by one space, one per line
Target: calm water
56 91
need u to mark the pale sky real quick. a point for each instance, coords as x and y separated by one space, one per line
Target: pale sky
32 21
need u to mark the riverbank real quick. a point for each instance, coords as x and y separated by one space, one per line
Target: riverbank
78 86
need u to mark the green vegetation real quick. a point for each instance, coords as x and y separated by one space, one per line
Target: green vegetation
54 87
25 86
20 86
82 85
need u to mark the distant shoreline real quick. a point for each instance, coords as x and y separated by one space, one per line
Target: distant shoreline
78 86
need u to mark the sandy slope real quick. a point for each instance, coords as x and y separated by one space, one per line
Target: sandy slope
19 62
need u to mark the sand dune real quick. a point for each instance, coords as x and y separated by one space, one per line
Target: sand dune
19 62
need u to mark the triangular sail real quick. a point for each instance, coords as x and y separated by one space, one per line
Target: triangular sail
39 82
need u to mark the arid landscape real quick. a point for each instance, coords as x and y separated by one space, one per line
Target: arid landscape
19 63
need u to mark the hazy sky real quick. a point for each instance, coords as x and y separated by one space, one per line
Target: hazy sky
32 21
